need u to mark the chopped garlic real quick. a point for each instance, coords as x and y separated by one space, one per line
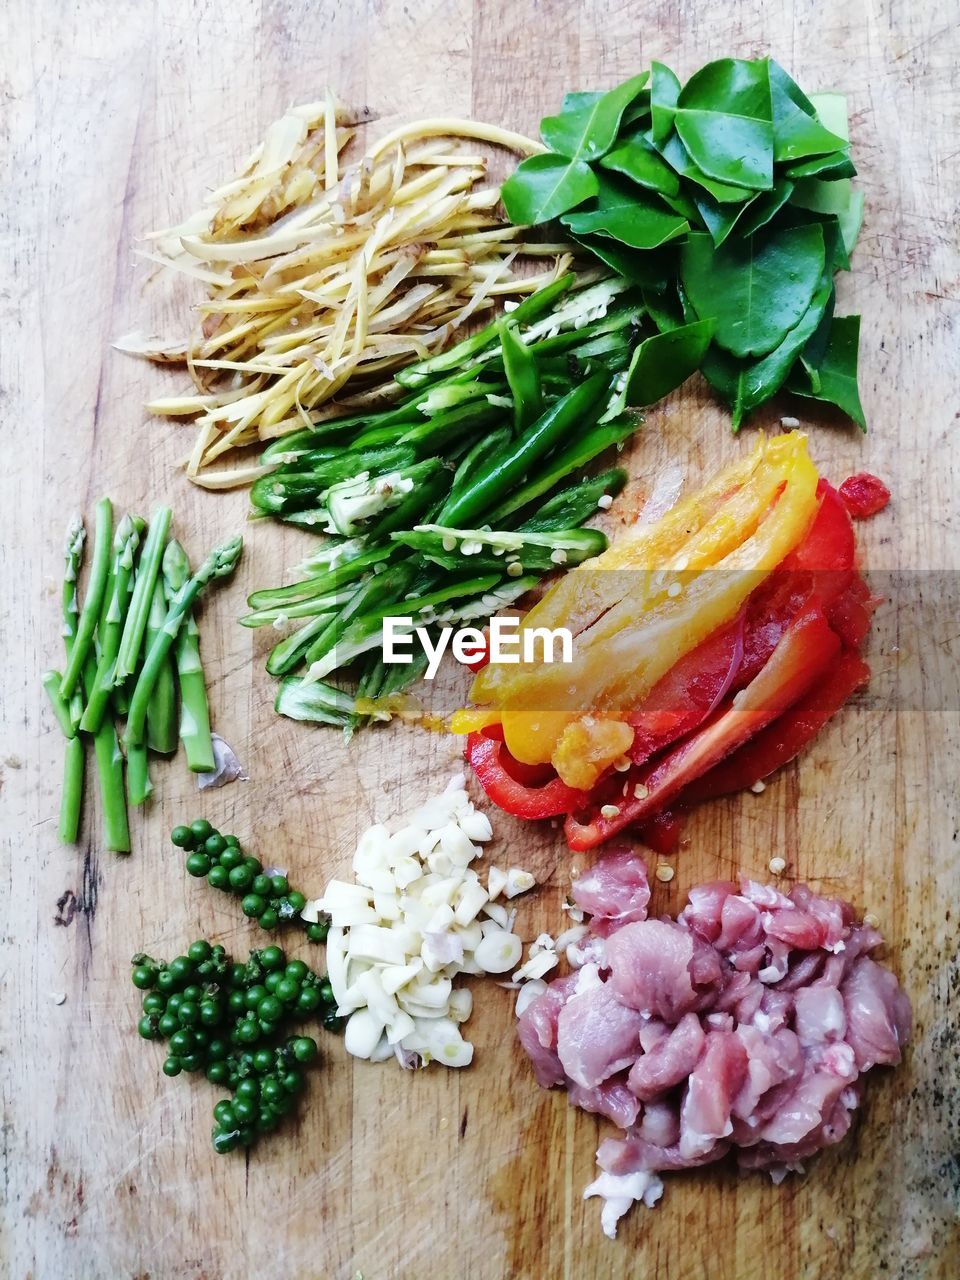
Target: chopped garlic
605 502
415 917
518 882
664 873
529 992
777 866
496 883
609 811
758 787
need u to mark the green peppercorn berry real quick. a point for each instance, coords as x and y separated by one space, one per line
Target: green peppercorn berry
238 973
247 1135
261 885
326 991
252 905
143 976
247 1031
181 968
192 1061
296 900
182 1041
188 1013
271 958
267 1121
233 841
271 1089
192 993
297 970
182 837
225 1141
223 1114
292 1081
210 1013
147 1027
240 879
268 919
154 1002
198 864
304 1049
231 858
245 1109
166 981
308 1000
201 1037
318 932
201 828
168 1024
288 990
218 1073
217 1049
214 845
249 1088
270 1009
171 1066
253 995
278 886
218 877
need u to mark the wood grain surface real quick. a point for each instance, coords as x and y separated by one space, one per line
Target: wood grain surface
114 118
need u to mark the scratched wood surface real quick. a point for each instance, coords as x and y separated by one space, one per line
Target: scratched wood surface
114 118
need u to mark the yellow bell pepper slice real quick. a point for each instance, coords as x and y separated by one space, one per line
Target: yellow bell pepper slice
752 517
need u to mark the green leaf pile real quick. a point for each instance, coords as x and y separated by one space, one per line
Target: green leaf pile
728 201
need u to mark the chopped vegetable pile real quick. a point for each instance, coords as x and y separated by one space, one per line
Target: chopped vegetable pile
118 662
322 274
230 1022
458 500
265 896
728 199
710 647
414 919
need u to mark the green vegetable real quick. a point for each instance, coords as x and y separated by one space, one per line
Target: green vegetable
738 170
194 708
51 685
523 376
754 291
109 760
219 564
125 543
299 699
665 360
162 709
835 372
579 409
724 119
89 616
71 796
148 570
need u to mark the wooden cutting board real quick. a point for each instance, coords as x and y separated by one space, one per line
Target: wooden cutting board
115 118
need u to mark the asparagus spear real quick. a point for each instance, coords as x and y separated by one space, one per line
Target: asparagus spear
61 709
125 544
162 734
194 709
219 564
148 571
87 623
71 795
109 758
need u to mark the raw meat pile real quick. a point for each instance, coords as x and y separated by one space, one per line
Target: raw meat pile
746 1023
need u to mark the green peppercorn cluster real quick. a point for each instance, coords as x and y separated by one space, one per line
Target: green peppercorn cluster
230 1021
265 898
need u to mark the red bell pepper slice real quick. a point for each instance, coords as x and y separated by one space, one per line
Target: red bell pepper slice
487 756
864 495
781 741
689 692
806 650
